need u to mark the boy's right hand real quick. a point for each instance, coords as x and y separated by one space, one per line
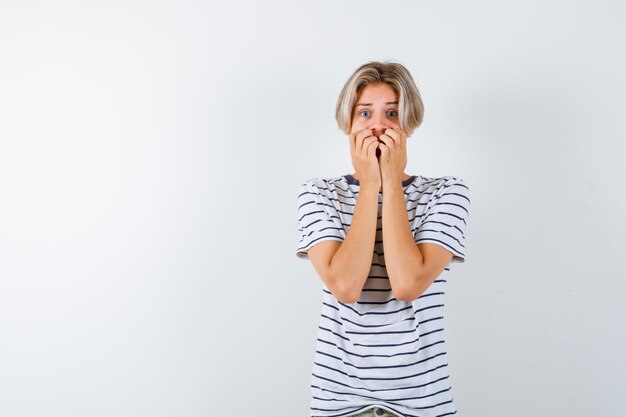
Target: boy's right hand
363 146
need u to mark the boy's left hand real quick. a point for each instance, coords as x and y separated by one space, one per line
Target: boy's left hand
393 159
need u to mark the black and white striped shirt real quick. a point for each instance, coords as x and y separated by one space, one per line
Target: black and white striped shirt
380 351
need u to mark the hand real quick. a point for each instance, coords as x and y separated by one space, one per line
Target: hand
363 146
392 155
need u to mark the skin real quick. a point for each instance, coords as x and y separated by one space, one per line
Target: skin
344 266
375 122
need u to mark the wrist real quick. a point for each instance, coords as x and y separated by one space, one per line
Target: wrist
392 187
369 189
392 180
372 183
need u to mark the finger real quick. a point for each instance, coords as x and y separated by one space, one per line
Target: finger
368 143
371 149
392 133
387 140
395 136
398 130
384 151
360 137
351 142
356 140
401 136
362 134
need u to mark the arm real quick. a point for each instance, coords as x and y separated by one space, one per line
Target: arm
344 266
411 267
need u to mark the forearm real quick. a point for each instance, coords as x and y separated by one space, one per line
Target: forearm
403 258
351 263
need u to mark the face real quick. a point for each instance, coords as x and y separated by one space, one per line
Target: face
376 108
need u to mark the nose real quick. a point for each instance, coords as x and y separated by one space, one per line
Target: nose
378 125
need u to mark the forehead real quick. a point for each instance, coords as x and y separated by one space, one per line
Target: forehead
378 91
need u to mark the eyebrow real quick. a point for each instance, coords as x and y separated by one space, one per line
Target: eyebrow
369 104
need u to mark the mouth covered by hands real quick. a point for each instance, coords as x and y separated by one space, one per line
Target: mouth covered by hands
379 159
391 155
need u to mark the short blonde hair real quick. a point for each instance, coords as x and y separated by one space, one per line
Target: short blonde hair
410 106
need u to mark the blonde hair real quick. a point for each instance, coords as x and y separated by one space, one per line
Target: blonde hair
410 106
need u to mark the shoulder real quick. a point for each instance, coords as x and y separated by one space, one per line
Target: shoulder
438 185
323 186
434 190
444 181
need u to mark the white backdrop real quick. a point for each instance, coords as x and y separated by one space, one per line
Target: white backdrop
150 158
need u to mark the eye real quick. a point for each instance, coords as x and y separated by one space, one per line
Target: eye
392 113
365 113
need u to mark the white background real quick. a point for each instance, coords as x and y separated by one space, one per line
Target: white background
150 159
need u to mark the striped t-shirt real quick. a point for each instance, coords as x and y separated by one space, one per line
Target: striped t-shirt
380 351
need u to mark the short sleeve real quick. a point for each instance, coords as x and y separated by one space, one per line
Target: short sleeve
318 219
445 221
